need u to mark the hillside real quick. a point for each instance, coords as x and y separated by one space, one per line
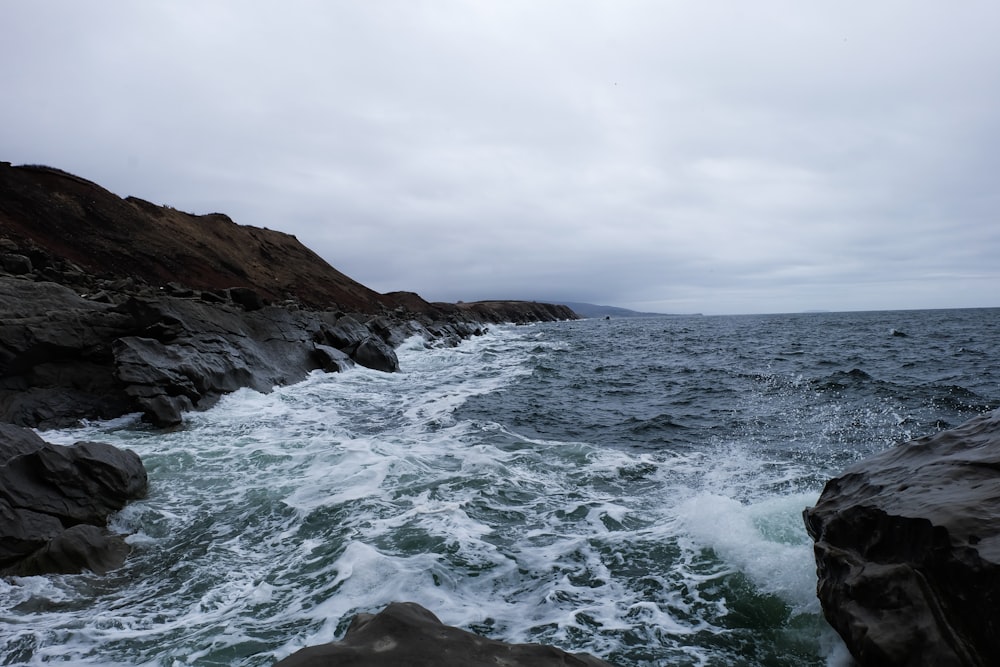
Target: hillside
63 216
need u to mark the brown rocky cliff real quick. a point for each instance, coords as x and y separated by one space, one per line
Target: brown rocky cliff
68 218
71 218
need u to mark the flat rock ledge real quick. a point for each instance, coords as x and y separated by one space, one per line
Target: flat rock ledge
404 634
55 502
907 547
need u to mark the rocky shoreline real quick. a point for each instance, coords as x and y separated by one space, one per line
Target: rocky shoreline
113 306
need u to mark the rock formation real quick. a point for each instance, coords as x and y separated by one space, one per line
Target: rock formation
404 633
55 502
111 306
907 548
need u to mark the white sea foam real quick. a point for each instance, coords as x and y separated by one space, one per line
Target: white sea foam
273 518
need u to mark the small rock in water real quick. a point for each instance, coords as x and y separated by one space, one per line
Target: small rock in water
404 633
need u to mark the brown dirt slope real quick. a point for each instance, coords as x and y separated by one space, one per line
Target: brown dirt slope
74 219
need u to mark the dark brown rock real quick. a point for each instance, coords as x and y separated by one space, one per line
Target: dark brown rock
907 548
404 634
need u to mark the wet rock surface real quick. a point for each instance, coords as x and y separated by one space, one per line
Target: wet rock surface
907 548
404 633
112 306
55 502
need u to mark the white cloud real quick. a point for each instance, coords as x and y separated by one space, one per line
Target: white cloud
712 157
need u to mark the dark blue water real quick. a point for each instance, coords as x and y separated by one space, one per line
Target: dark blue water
631 488
844 384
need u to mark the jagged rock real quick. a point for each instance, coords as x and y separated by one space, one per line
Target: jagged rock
246 297
374 353
71 551
907 547
55 355
347 333
83 483
15 264
55 502
331 359
404 634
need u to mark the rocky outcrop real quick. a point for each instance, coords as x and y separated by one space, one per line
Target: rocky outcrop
907 548
110 306
64 358
519 312
404 633
55 502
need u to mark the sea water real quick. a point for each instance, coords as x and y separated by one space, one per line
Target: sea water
631 488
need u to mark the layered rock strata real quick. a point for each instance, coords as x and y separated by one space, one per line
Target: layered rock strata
404 633
907 547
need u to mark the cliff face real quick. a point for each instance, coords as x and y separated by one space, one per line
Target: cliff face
111 306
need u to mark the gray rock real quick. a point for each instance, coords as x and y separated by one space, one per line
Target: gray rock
78 548
246 297
23 531
55 502
907 547
82 483
332 360
16 441
347 334
374 353
404 634
15 264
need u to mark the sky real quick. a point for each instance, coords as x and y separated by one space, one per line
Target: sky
679 157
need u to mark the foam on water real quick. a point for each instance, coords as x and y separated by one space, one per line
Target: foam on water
273 519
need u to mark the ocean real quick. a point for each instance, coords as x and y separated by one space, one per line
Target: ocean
632 488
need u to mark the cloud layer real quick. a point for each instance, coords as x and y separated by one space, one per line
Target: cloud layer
708 157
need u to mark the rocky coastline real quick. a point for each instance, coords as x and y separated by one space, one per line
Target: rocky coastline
112 306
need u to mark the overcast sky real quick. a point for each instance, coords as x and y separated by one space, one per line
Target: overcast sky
702 156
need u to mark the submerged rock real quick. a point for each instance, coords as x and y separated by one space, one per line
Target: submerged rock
55 502
404 634
907 547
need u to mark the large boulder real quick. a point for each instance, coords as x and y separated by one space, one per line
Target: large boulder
406 634
55 502
376 354
907 547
